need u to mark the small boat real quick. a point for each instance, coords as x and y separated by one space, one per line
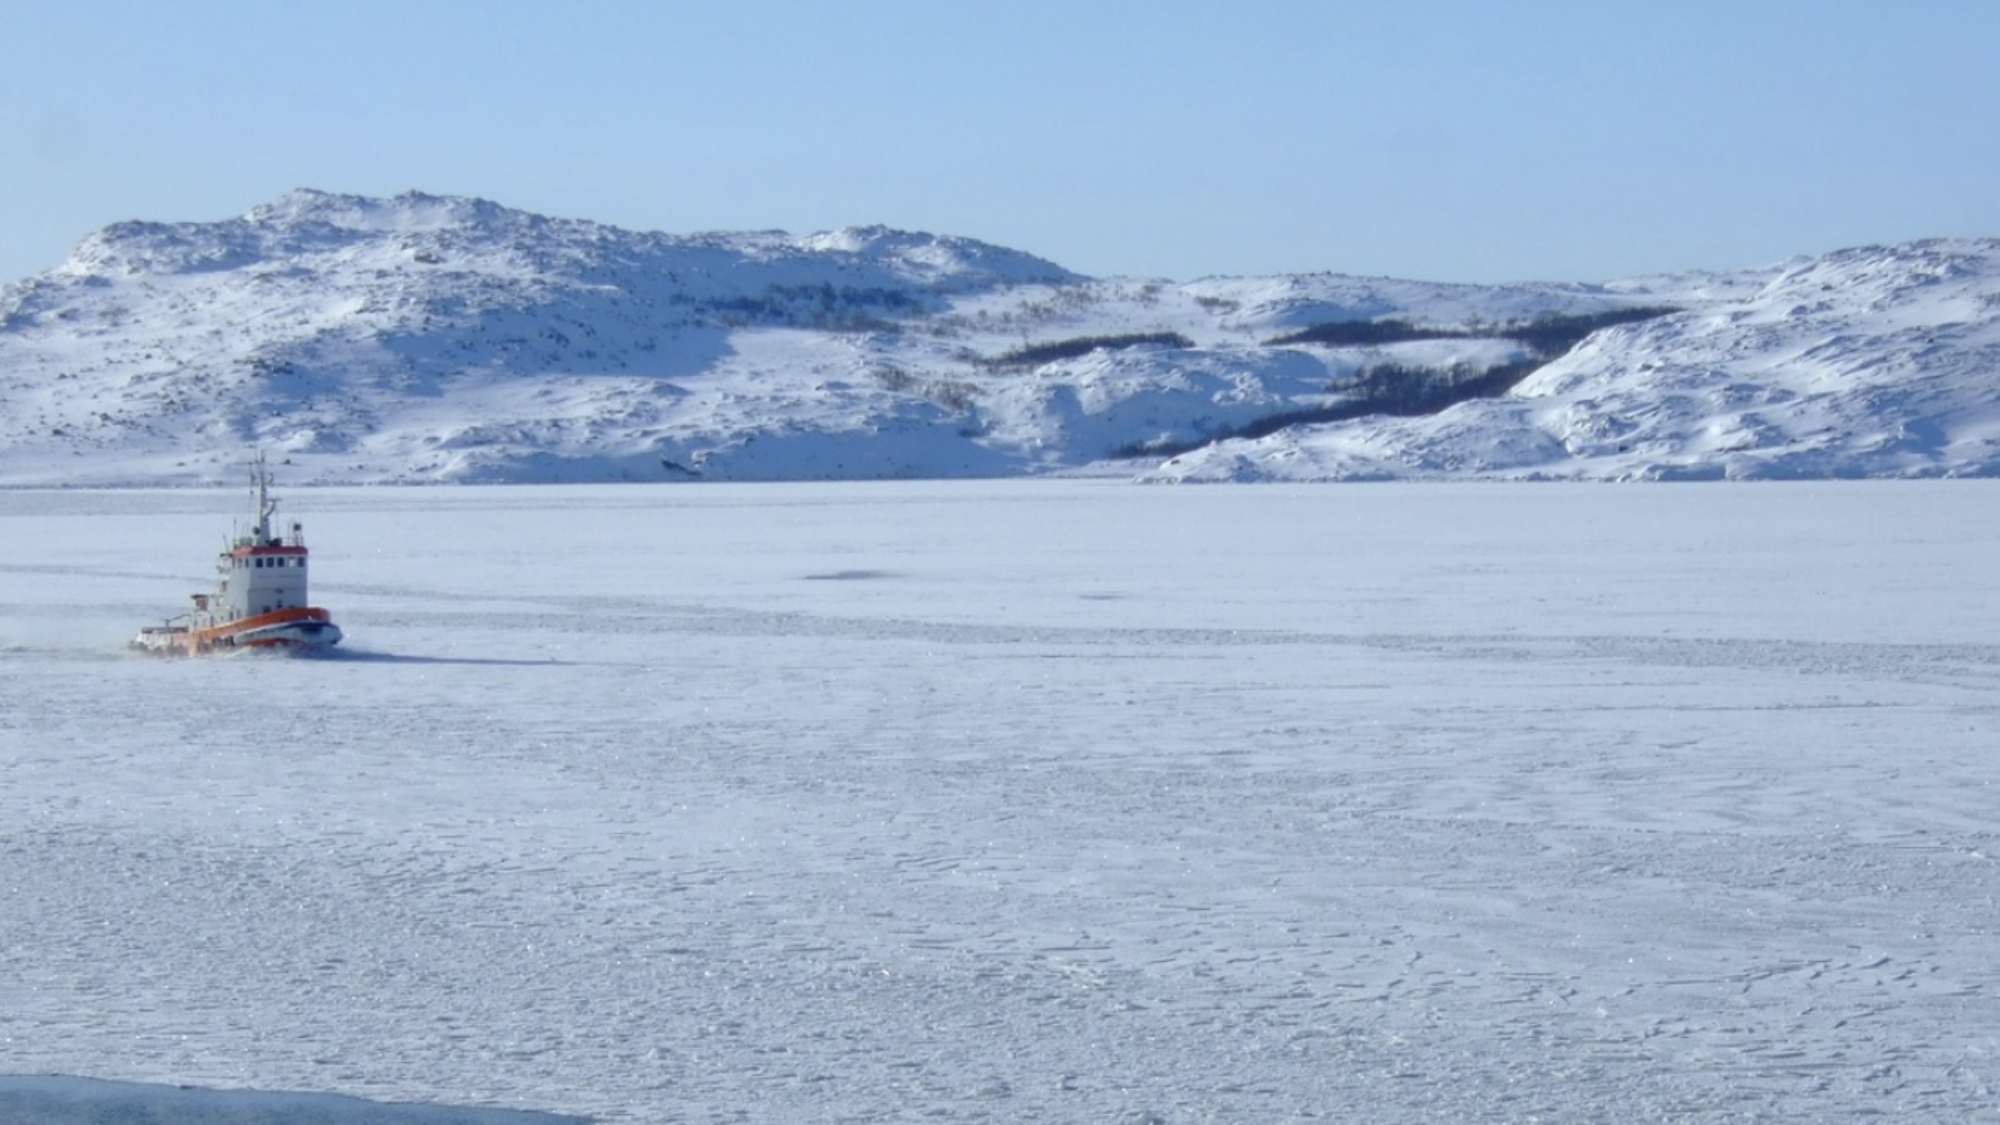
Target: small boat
260 594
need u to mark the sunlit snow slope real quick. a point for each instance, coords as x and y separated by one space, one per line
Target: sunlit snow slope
426 338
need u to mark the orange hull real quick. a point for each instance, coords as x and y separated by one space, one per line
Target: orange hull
298 629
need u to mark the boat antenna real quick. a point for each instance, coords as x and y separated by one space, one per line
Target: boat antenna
260 482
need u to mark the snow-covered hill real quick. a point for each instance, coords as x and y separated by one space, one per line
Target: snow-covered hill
423 338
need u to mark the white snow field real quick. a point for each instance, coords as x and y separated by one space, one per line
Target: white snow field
1050 801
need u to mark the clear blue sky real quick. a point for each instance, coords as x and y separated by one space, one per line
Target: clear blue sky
1482 140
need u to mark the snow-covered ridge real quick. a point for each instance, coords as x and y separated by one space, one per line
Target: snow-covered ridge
431 338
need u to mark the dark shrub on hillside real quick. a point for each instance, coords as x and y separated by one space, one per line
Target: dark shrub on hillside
1548 336
1034 355
1365 333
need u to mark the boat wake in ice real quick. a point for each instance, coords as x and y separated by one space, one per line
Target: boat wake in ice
58 1100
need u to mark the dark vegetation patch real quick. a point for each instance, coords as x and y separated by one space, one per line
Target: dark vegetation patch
1369 333
1548 335
1401 389
1034 355
822 306
1386 389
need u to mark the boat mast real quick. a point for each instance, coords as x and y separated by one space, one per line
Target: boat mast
260 481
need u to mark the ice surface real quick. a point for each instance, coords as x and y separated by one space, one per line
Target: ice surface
1024 801
50 1100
